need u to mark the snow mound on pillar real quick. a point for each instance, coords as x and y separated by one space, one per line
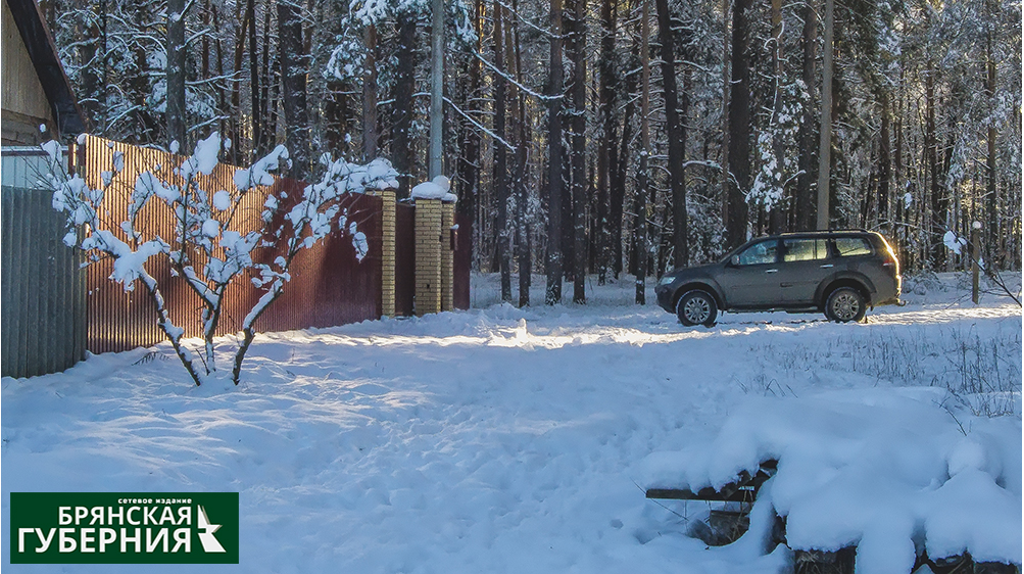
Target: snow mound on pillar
894 474
438 188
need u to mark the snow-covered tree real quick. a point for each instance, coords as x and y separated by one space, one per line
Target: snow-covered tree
213 247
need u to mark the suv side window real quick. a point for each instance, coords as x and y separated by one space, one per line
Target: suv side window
851 246
804 249
761 253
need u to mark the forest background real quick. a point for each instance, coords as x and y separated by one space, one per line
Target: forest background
597 136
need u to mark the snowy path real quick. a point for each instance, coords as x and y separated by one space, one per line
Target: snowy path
494 440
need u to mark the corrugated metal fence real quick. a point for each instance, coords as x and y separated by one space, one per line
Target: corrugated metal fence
42 289
53 311
329 285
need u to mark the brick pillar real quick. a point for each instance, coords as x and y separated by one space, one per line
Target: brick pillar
447 257
428 256
388 231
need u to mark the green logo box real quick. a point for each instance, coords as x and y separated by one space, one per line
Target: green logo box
124 528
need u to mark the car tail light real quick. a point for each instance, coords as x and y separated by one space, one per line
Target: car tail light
889 260
889 257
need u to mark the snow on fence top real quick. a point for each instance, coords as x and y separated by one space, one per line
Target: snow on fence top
438 188
873 469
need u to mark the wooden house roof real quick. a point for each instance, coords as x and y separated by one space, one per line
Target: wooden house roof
43 52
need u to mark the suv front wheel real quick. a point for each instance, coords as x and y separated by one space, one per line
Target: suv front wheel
845 304
697 308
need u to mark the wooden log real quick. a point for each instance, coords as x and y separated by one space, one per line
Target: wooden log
743 489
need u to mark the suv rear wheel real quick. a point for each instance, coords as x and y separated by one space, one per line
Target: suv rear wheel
697 308
845 304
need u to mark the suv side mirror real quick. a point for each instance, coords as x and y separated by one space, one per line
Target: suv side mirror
734 261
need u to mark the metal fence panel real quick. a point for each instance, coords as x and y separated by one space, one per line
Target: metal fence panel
42 301
405 259
463 263
329 285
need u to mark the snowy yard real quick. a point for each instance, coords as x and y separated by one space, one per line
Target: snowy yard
520 441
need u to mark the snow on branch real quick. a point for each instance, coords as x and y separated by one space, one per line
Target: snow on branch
480 127
512 81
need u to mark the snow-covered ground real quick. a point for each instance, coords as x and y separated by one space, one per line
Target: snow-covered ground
521 440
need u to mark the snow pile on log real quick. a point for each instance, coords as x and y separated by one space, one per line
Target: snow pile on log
893 473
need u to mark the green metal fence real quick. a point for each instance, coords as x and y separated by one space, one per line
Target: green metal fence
42 289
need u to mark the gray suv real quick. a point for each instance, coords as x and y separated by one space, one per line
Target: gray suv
840 273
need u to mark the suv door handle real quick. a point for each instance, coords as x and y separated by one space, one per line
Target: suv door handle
827 266
772 271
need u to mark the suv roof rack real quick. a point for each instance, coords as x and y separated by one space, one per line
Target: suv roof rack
812 231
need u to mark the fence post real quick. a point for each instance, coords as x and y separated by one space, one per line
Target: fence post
975 255
428 256
447 257
388 243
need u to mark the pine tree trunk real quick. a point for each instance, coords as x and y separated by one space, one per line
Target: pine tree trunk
606 151
553 293
619 173
676 134
221 100
739 129
620 168
294 68
643 179
992 242
726 99
884 165
805 205
92 84
502 251
518 130
256 116
370 94
469 160
938 216
268 111
204 66
579 152
776 217
236 105
900 230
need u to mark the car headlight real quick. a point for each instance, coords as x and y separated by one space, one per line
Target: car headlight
666 280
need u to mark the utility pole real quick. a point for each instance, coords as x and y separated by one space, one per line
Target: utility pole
436 87
175 75
825 143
